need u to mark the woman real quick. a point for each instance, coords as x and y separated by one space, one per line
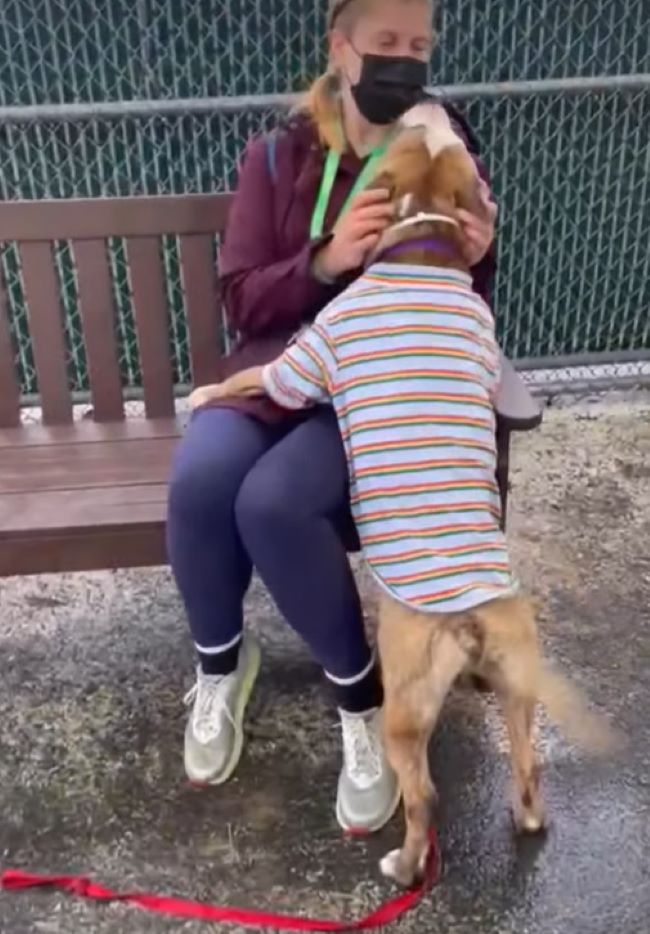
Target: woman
254 486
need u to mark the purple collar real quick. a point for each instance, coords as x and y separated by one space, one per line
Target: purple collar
435 244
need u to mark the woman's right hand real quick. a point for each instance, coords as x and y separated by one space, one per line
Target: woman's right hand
355 234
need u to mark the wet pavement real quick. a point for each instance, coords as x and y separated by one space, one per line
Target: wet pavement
91 723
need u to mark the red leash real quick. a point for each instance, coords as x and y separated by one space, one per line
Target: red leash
13 880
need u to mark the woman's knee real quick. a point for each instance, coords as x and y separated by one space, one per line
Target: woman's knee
301 478
196 485
264 501
210 464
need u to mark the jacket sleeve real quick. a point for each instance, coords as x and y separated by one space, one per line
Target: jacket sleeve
264 292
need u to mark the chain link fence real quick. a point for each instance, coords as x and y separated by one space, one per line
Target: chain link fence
61 51
570 159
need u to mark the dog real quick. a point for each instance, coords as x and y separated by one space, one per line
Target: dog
408 357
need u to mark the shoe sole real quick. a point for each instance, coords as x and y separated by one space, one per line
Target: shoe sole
248 683
357 831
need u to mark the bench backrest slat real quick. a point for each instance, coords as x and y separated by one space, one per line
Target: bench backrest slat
41 286
150 308
199 280
9 388
97 308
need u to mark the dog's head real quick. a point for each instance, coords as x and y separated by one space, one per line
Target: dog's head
428 169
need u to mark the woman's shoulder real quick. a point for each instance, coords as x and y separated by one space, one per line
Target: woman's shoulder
295 132
290 153
281 148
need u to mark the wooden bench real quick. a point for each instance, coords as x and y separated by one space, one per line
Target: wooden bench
88 494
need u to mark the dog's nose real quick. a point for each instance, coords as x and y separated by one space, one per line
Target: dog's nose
427 114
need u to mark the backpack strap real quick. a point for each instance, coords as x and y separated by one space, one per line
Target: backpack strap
271 156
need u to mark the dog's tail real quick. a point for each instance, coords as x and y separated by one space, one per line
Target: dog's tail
568 708
510 636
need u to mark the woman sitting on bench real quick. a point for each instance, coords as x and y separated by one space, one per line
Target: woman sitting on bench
256 486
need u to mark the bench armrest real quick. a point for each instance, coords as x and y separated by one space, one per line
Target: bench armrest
515 406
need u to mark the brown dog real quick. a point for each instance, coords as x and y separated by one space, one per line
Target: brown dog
430 175
422 655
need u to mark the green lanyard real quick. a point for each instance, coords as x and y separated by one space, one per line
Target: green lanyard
327 183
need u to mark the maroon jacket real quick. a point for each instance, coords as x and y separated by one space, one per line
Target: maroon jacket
265 261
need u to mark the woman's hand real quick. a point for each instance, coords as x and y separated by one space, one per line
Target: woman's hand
479 231
355 235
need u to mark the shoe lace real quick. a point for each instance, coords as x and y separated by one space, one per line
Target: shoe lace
362 750
210 705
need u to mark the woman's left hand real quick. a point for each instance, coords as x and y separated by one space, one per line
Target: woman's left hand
479 231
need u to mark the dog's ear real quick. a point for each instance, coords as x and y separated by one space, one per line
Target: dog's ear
455 182
467 189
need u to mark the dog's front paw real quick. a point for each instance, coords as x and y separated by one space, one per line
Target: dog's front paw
196 399
406 872
202 396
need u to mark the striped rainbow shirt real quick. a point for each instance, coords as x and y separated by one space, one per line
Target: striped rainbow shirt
408 357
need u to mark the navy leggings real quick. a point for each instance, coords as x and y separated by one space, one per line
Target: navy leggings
245 494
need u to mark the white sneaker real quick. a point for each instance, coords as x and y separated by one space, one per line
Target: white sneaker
368 793
214 736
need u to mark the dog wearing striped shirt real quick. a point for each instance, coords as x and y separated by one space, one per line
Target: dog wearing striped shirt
408 358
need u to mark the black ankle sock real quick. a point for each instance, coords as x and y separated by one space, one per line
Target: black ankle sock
223 663
363 695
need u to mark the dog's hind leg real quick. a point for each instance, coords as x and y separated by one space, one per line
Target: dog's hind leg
527 804
407 740
512 664
420 663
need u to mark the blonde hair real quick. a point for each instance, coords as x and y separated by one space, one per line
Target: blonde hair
321 102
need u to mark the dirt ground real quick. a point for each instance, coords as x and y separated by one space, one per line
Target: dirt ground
91 723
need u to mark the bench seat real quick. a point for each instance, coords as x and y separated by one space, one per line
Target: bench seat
84 496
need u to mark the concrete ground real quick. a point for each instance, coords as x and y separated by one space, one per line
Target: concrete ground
91 723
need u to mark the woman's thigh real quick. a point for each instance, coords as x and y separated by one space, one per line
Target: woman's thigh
286 515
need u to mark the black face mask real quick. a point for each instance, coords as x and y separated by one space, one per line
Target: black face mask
389 85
